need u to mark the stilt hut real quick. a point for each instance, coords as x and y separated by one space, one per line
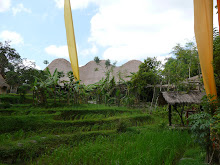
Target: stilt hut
174 99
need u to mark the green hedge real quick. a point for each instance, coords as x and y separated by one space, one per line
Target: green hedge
27 123
14 99
33 148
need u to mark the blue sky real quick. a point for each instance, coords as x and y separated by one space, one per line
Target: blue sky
119 30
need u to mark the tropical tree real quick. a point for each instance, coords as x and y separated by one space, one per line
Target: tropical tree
148 74
15 69
184 64
51 82
216 59
105 87
9 58
46 62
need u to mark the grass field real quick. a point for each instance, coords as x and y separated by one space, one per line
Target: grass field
88 134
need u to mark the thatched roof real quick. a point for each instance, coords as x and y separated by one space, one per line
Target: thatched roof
62 65
87 73
3 82
161 86
195 78
192 97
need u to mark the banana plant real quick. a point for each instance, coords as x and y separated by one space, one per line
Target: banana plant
52 81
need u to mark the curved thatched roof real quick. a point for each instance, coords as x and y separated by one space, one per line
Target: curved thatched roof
88 75
62 65
3 82
192 97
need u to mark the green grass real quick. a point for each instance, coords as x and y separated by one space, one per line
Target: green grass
146 147
29 148
193 155
88 134
46 122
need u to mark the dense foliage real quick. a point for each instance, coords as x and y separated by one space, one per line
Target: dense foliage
14 69
216 59
9 58
148 74
183 64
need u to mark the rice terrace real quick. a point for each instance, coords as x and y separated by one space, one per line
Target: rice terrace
85 108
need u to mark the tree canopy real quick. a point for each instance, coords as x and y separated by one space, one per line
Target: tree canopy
183 64
13 67
9 58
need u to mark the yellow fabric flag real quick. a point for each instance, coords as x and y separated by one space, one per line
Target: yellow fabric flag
203 26
71 38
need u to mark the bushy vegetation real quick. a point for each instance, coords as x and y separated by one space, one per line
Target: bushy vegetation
143 147
87 134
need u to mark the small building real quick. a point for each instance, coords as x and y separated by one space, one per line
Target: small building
174 99
3 85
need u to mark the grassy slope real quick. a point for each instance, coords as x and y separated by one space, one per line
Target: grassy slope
87 133
144 147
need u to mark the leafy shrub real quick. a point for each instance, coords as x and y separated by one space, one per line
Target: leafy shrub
201 128
14 99
22 91
215 134
5 106
122 126
205 128
15 123
162 124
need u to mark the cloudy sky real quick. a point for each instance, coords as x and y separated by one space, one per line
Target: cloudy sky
119 30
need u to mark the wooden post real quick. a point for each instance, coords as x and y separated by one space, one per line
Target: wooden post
152 99
182 115
170 115
201 108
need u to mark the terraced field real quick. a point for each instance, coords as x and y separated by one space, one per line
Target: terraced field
86 134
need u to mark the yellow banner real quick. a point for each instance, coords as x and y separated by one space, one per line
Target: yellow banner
71 38
203 26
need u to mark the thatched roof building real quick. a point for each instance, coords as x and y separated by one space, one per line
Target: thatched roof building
88 75
172 98
3 85
62 65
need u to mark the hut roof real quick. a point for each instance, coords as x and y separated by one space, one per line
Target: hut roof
88 75
192 97
3 82
195 78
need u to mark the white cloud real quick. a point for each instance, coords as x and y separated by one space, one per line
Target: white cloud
81 4
163 58
75 4
59 3
20 8
58 51
90 51
142 28
15 38
138 29
5 5
30 63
